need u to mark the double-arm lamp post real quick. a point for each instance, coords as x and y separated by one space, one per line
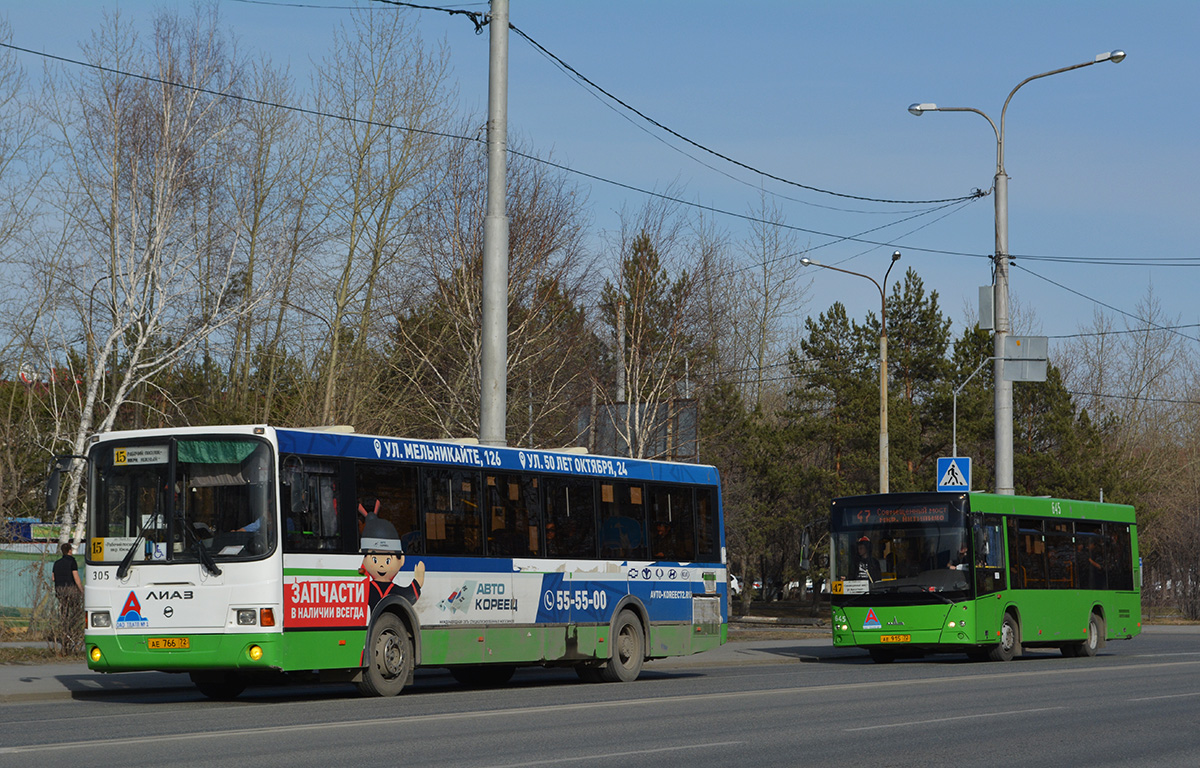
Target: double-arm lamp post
883 376
1004 408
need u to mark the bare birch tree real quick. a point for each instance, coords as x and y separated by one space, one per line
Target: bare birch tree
142 283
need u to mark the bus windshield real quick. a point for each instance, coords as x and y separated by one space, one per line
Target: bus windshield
915 551
181 500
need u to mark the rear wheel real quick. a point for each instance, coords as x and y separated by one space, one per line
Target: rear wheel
389 658
628 650
221 686
1091 643
485 676
1010 640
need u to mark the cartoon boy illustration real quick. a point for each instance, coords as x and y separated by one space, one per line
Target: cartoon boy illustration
383 557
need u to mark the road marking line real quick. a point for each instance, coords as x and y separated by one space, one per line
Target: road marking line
1169 696
951 719
603 755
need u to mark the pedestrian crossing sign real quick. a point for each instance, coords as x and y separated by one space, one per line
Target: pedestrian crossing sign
954 474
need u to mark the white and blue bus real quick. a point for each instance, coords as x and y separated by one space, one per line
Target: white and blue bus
233 552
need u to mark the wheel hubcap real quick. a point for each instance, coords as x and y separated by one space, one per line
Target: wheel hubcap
391 655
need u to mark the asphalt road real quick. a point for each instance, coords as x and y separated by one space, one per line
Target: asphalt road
778 703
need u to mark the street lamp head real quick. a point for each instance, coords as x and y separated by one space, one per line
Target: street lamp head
1116 57
807 261
920 109
895 257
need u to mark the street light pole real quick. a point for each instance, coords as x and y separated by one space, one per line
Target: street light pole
883 376
1003 387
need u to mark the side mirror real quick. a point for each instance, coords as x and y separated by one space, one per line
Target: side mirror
54 481
53 488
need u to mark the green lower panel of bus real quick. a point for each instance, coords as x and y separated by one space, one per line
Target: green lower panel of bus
185 652
528 644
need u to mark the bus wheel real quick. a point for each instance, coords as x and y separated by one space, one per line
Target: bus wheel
628 650
1091 645
389 658
221 686
486 676
1008 646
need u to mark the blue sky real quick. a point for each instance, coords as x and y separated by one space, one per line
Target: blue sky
1103 161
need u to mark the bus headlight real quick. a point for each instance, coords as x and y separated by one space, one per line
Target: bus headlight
247 617
95 654
101 619
256 653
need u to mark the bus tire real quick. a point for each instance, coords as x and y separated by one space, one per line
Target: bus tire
389 658
627 652
1091 644
219 686
483 676
1010 640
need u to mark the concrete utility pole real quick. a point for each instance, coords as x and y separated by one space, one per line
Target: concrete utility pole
1003 386
884 479
493 363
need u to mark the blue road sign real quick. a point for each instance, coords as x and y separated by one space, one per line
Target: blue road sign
954 474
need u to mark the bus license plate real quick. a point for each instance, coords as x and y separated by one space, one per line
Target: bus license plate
168 644
895 638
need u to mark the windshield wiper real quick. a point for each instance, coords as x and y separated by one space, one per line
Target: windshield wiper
202 554
123 568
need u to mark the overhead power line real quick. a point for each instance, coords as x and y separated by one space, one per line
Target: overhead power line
1155 326
591 84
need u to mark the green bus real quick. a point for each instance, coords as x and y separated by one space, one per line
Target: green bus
980 573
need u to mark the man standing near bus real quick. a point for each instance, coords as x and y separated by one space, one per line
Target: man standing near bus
69 591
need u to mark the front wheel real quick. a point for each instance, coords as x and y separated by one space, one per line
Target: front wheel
389 658
628 650
1010 640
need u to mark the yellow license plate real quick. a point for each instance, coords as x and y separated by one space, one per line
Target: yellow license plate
168 644
895 638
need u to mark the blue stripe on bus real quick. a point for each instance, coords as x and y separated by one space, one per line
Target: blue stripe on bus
495 459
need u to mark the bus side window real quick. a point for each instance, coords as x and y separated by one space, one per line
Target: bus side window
514 514
672 528
708 547
1060 552
1089 560
570 517
1028 566
622 521
1118 557
989 555
450 501
313 526
390 491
